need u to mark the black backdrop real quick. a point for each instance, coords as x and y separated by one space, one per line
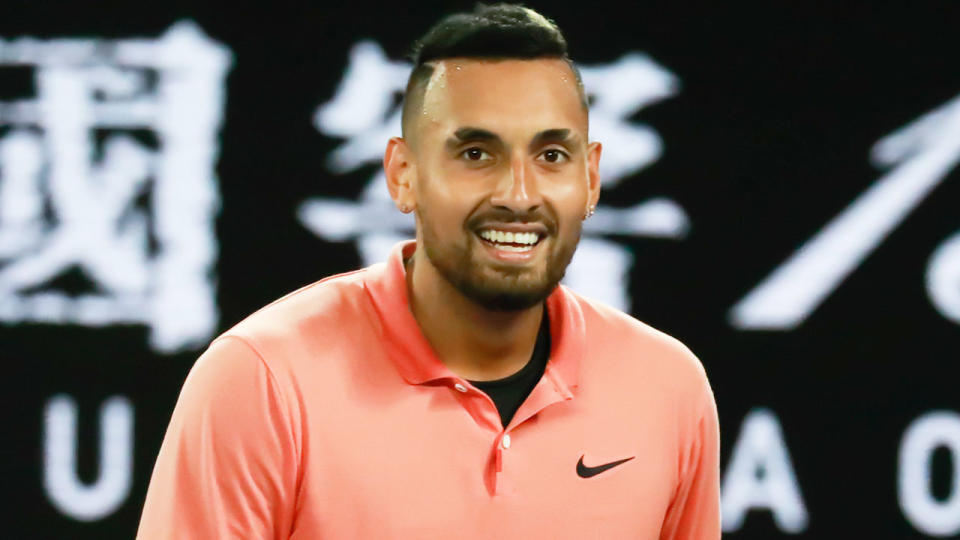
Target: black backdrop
766 138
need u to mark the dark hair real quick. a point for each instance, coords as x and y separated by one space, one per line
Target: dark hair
498 31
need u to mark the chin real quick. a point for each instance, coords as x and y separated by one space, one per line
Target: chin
497 287
498 300
506 292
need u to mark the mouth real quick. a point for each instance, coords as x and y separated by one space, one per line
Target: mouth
511 239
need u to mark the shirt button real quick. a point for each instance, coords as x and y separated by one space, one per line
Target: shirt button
460 387
506 441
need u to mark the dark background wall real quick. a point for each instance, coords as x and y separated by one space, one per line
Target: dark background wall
748 129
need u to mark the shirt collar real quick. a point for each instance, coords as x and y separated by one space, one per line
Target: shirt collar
415 358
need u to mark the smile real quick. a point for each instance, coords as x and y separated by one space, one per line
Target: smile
516 242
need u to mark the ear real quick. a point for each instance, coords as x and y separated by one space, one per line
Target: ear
593 173
401 173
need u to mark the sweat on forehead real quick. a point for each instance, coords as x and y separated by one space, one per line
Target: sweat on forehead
474 87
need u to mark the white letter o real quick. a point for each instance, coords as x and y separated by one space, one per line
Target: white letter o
922 437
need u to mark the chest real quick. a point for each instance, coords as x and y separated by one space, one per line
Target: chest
425 464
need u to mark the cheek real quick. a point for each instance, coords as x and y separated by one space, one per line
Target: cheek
450 192
442 209
568 196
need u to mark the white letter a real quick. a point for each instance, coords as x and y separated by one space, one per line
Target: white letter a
759 475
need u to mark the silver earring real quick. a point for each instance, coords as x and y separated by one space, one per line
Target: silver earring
590 212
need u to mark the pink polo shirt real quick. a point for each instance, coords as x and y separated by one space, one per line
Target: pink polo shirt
326 414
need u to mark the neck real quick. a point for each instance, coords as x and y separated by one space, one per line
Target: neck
474 342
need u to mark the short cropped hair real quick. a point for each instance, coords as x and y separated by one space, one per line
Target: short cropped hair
495 32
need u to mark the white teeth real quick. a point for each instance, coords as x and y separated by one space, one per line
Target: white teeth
515 248
502 237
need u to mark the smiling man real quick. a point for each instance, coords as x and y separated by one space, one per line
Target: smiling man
457 390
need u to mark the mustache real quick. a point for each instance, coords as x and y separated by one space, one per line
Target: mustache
503 215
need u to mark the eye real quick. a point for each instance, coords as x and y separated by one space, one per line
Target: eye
476 154
555 155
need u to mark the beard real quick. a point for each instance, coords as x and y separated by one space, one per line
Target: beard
499 287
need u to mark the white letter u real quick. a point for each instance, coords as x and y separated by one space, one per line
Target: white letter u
87 502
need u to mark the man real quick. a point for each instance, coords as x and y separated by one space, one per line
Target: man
457 390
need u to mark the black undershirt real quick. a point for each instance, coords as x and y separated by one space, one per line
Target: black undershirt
510 392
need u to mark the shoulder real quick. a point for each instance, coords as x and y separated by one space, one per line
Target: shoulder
635 349
621 329
331 298
305 321
267 355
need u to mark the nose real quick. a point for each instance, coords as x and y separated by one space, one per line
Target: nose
517 189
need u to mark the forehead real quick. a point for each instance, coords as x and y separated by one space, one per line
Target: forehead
504 96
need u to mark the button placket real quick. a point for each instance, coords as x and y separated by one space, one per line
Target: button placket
480 407
501 445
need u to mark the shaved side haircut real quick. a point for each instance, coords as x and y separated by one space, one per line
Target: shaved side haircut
489 32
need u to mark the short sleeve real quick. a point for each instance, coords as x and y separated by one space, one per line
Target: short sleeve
694 513
228 465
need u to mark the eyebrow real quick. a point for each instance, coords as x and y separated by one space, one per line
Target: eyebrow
561 136
465 134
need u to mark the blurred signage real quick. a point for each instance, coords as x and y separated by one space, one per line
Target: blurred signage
108 173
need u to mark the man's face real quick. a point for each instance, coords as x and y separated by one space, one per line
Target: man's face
504 175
